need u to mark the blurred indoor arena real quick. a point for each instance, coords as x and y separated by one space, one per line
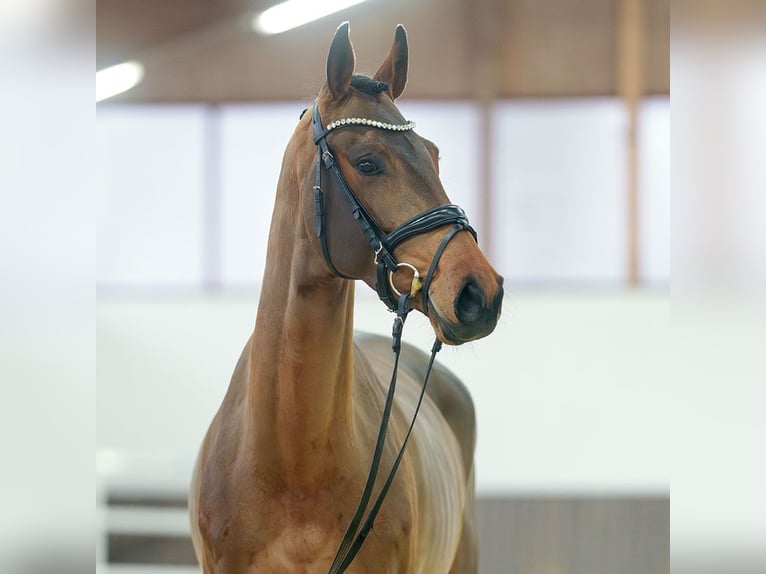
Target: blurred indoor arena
552 119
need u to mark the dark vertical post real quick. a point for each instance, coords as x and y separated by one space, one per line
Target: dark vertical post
484 26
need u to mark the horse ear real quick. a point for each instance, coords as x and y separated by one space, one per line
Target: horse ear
340 63
393 70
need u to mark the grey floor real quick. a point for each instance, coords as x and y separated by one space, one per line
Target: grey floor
620 535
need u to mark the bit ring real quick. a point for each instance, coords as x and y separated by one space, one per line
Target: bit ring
416 283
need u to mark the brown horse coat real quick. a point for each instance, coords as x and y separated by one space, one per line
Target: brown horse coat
282 466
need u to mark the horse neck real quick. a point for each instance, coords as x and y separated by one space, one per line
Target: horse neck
301 354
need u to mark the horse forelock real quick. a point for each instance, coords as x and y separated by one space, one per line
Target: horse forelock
368 85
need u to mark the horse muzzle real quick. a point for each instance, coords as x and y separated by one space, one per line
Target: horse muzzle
476 311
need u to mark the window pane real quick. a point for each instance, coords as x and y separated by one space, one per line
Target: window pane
149 172
654 189
559 191
254 140
454 128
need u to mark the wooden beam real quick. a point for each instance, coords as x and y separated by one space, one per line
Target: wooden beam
484 27
630 87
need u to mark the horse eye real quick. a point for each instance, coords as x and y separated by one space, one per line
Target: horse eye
368 167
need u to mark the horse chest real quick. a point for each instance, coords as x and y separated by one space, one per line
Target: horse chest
294 533
296 548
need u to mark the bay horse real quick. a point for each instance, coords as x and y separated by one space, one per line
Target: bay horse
287 455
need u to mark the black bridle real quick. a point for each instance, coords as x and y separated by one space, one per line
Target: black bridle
382 245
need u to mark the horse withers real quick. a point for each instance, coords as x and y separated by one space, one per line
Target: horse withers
282 466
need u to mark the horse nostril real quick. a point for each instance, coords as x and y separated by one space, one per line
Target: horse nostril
470 303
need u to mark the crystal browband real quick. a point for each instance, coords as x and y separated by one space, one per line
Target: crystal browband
371 123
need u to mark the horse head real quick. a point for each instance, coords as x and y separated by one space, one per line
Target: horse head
387 175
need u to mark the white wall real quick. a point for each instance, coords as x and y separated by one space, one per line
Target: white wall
570 389
150 178
559 180
654 191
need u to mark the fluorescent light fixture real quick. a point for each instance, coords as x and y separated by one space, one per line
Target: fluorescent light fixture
117 79
294 13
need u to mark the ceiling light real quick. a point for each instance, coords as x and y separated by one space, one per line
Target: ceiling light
294 13
117 79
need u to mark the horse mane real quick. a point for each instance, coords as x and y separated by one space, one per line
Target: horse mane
368 85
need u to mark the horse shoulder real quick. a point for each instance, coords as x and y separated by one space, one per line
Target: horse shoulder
216 493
